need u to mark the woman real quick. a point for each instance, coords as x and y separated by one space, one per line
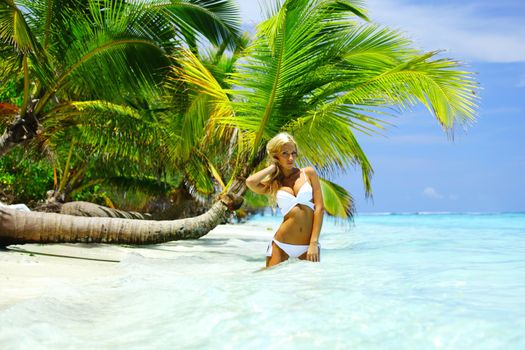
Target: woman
298 195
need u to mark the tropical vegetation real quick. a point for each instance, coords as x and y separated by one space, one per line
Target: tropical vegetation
122 92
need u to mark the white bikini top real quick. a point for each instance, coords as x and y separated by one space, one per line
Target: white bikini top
286 201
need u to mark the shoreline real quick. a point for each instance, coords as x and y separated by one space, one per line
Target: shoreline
28 271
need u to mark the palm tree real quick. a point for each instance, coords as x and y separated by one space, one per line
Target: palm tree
71 50
314 73
158 137
78 56
313 70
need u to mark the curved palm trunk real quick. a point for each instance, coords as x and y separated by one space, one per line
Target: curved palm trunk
87 209
34 227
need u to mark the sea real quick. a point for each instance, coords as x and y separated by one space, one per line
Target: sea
385 281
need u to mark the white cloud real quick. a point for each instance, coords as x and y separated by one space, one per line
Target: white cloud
431 192
468 31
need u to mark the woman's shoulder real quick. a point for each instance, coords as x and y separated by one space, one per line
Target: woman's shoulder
310 171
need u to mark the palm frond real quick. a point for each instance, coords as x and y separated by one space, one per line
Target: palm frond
10 64
216 20
103 61
314 71
330 151
14 29
213 171
440 85
102 47
148 185
355 7
113 130
281 69
198 177
192 73
49 19
337 201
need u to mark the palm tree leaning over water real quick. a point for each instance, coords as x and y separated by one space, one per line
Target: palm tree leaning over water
317 73
315 70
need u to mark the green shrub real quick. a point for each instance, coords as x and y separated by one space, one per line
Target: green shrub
24 179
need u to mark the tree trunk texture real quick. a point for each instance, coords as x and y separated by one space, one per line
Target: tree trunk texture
88 209
180 209
33 227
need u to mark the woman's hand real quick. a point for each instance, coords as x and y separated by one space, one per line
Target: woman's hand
313 253
273 168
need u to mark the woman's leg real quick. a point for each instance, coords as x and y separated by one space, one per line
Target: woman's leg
278 256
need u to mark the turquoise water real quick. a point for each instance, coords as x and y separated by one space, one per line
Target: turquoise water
446 281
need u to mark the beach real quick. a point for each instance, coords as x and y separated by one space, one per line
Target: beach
31 270
411 281
203 111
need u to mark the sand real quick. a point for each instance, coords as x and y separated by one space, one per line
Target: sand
25 275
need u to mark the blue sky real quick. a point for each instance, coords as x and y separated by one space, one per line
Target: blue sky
417 168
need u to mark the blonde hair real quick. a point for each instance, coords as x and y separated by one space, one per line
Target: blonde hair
273 147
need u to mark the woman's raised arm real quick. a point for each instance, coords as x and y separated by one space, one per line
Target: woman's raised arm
254 181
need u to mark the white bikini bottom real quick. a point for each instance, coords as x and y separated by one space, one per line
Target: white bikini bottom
293 250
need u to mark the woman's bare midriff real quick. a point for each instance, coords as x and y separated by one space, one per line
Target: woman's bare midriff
297 226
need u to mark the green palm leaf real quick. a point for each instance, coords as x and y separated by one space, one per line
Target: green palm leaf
316 71
49 19
14 29
216 20
337 201
281 67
